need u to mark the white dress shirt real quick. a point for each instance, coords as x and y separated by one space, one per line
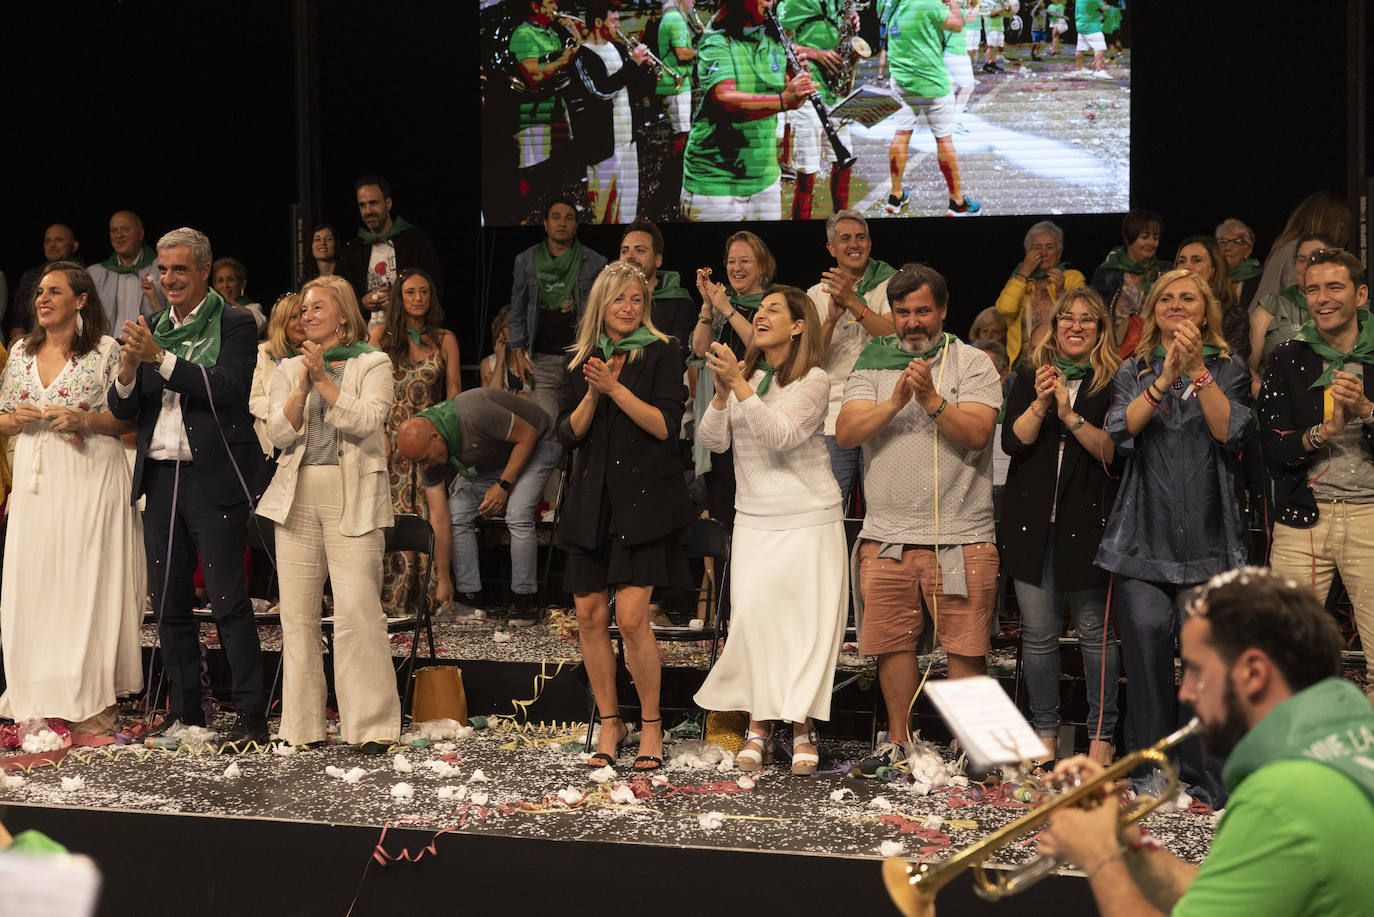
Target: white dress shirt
169 442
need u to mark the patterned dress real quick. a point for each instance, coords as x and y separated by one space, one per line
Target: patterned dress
419 385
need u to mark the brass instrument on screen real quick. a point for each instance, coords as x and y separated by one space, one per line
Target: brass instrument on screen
694 23
851 47
628 44
501 63
912 886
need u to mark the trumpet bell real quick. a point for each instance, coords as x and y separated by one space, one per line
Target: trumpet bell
910 898
861 47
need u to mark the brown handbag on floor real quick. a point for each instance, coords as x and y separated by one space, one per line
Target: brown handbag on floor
439 695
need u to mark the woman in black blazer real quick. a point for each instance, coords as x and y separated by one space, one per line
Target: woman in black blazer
1059 491
627 500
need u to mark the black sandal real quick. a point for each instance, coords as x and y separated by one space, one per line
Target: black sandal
602 759
654 762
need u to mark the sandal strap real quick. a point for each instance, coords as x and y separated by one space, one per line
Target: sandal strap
806 757
756 737
805 738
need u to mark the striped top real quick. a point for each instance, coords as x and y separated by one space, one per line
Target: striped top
321 439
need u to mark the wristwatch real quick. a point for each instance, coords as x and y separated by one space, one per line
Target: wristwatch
505 485
1073 427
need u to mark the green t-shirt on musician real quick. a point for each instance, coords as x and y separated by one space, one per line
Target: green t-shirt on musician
957 42
1087 15
813 24
725 156
529 41
1111 19
916 48
673 33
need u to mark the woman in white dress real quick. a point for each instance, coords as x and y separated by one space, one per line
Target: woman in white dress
790 584
74 577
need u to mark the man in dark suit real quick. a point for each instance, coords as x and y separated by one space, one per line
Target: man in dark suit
196 350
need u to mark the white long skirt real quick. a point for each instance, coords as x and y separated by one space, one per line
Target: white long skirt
789 597
75 579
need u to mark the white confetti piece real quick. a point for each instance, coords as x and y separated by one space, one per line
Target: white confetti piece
624 795
402 791
448 792
710 821
73 784
881 803
332 771
569 796
658 780
890 848
354 775
745 783
477 777
401 764
444 748
500 637
840 795
602 775
11 781
232 772
478 799
285 749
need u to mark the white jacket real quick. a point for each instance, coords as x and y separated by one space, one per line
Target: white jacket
366 392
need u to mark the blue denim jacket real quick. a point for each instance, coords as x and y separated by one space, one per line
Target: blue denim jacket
524 293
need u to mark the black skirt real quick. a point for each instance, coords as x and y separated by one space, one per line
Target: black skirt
660 563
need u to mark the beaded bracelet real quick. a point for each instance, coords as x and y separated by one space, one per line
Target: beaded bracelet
1203 381
944 403
1150 398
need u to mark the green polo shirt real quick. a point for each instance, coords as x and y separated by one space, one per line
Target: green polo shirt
1087 16
813 24
673 33
530 41
726 156
1111 19
916 47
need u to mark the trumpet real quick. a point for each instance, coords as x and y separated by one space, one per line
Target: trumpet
913 886
628 44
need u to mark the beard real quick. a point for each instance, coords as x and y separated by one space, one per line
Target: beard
1221 737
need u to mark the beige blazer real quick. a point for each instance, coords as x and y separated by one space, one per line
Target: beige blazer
365 396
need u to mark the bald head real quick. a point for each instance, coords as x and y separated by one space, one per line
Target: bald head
126 234
59 242
419 441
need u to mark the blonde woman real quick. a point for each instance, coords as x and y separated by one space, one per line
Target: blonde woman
1180 413
789 610
284 337
619 413
1059 490
330 501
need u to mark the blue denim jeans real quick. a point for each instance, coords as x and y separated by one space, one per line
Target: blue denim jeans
1042 621
845 464
465 496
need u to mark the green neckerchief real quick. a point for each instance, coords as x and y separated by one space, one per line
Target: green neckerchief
1362 352
1208 351
747 302
35 842
875 273
145 258
1040 273
1070 371
555 275
417 336
767 381
1329 723
1117 260
1245 270
639 338
444 416
198 340
346 351
886 353
398 225
669 286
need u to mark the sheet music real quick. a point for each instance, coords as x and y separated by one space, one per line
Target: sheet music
985 721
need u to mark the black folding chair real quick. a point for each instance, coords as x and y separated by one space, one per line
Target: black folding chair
703 538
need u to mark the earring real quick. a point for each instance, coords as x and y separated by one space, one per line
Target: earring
80 324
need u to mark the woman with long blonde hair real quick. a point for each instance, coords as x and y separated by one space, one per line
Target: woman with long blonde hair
1180 414
284 336
619 414
1059 490
789 611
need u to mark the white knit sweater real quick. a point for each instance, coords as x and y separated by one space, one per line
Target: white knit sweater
781 465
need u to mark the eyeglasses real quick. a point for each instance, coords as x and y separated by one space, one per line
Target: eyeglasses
1082 321
1237 242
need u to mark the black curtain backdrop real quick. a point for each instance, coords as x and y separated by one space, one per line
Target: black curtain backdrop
185 113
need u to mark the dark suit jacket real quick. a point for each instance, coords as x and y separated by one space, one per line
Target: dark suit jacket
413 249
230 378
1287 410
616 461
1084 496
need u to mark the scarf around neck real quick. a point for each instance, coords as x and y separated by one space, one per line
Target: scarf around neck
638 339
145 258
874 274
1070 371
347 351
556 275
1040 273
1245 270
444 416
767 381
199 339
886 353
1116 260
1362 352
398 226
669 286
